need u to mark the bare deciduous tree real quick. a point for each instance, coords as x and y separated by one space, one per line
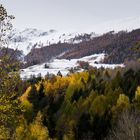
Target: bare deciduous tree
127 127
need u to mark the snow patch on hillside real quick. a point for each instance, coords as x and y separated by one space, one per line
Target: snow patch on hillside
65 65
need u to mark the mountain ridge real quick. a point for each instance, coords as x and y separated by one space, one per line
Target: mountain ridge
30 38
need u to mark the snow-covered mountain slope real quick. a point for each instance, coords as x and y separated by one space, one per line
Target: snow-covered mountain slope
64 65
33 38
29 38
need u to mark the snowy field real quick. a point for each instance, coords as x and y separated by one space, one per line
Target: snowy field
65 65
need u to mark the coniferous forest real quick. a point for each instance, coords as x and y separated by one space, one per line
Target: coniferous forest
96 104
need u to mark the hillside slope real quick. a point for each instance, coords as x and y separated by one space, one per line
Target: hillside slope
120 47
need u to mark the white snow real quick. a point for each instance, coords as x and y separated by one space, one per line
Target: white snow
33 38
64 66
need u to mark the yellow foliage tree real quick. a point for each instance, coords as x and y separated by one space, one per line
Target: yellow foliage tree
37 130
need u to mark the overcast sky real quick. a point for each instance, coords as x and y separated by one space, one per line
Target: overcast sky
95 15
